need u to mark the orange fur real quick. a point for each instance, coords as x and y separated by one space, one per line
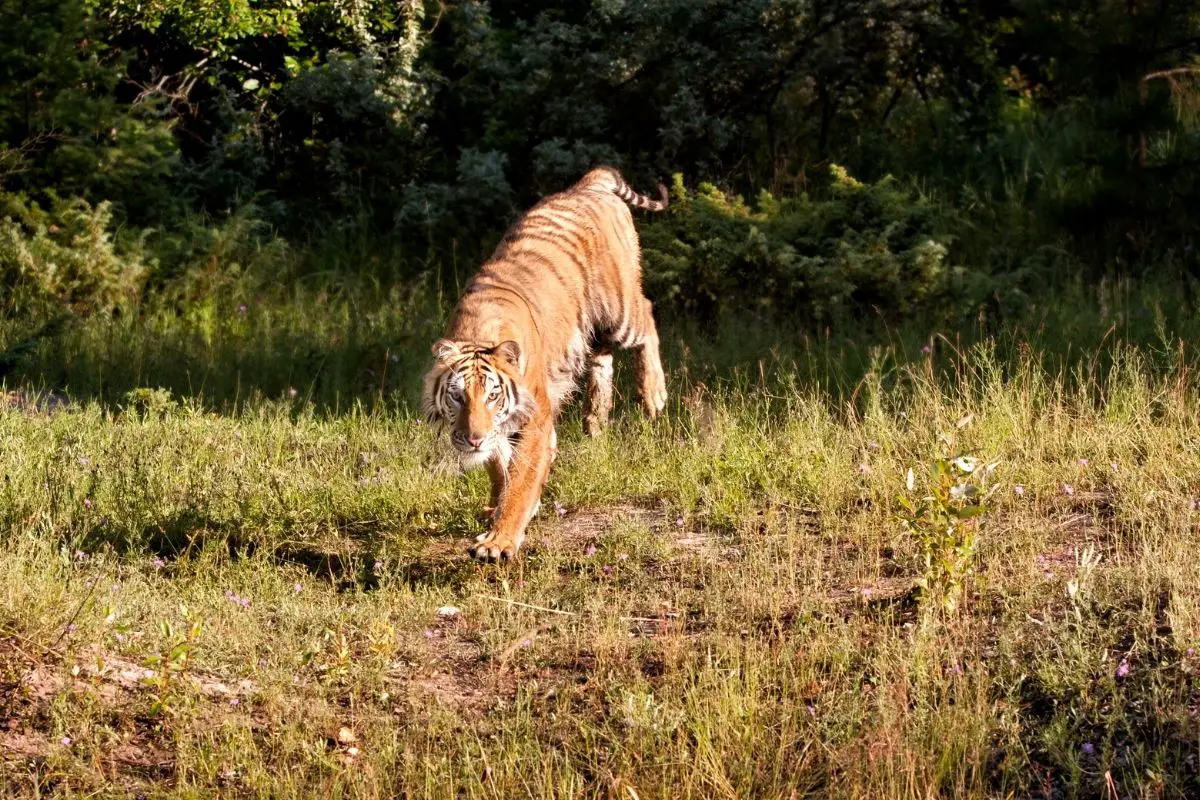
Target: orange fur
562 289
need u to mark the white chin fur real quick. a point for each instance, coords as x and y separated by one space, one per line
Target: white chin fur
473 459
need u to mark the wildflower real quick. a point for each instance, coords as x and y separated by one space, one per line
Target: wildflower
242 309
1123 668
291 392
927 349
65 741
428 634
608 569
1113 466
159 563
298 588
965 464
71 628
83 462
863 468
1191 651
1083 462
590 551
560 509
87 502
1019 490
1088 748
377 566
867 591
80 555
526 643
233 701
679 522
1068 489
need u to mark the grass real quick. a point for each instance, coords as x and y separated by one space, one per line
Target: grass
224 588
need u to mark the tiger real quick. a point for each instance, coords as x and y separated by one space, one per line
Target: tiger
561 291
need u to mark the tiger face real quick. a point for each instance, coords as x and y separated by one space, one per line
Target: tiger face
476 391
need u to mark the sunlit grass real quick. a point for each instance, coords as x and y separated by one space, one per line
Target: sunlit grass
715 605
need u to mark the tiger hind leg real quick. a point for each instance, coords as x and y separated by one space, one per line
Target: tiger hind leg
599 392
651 381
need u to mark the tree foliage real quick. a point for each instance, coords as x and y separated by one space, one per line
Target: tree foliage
1031 126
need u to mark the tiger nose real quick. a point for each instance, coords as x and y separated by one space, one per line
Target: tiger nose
474 441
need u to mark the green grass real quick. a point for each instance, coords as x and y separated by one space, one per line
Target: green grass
719 604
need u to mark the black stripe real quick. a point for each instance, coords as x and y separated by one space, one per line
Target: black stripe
564 247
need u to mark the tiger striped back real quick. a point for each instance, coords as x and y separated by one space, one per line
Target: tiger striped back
563 287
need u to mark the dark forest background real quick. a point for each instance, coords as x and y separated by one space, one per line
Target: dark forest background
828 158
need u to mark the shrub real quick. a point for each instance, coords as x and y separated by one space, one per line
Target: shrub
63 258
864 248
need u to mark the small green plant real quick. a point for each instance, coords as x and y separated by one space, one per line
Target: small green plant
171 664
946 522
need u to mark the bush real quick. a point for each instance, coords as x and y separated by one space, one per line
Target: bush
64 258
867 247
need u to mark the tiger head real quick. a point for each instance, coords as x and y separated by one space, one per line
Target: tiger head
477 391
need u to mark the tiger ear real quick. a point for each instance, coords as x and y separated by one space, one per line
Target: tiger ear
510 351
444 349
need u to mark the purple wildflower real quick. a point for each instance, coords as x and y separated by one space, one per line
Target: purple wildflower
1123 668
927 349
608 569
1088 748
590 551
298 588
679 522
65 741
87 502
237 601
233 701
1191 651
1068 489
159 563
526 643
1083 462
71 628
560 509
429 634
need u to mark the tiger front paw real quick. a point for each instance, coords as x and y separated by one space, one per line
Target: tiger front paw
495 547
